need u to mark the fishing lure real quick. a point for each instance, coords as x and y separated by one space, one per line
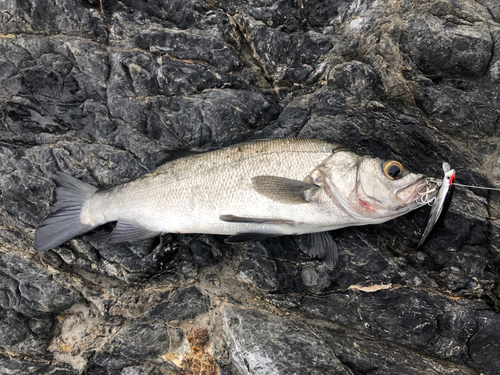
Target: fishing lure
440 203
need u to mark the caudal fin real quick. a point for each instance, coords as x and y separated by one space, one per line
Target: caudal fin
64 223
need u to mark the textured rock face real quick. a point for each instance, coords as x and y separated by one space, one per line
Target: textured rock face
102 91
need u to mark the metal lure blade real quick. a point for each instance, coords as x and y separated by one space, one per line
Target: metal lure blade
442 203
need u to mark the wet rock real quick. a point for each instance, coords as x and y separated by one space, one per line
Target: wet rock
110 364
484 358
448 47
182 46
141 340
357 79
29 298
183 304
42 16
108 91
286 59
11 366
282 353
458 111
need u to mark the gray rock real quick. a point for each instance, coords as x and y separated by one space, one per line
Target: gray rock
105 91
140 340
110 364
294 347
42 16
287 59
13 366
460 112
316 350
448 48
136 370
484 358
183 304
493 8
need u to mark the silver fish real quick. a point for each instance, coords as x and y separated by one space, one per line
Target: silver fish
250 191
440 201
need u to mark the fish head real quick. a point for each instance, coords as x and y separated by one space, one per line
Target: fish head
385 188
373 190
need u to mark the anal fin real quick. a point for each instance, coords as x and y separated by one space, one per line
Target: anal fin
126 230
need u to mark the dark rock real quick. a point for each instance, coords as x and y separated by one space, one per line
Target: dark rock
424 320
182 46
289 351
141 340
291 119
286 59
43 16
106 91
493 7
292 347
459 112
148 76
104 364
315 279
261 273
111 364
448 48
321 13
30 289
138 370
14 366
371 355
222 123
183 304
357 79
485 358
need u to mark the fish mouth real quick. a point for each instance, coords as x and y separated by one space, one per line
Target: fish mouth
422 191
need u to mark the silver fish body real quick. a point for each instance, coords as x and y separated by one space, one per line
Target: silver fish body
254 190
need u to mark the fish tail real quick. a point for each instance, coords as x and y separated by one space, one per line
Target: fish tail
64 221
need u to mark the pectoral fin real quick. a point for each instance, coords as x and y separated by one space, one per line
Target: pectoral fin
284 190
130 231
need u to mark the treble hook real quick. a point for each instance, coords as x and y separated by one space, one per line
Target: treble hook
425 189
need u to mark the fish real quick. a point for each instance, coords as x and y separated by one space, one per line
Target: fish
250 191
441 202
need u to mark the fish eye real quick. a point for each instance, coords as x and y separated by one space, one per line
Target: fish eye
393 169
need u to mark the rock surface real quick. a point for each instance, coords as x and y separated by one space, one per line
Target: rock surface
102 91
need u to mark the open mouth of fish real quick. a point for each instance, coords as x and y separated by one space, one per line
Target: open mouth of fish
425 192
